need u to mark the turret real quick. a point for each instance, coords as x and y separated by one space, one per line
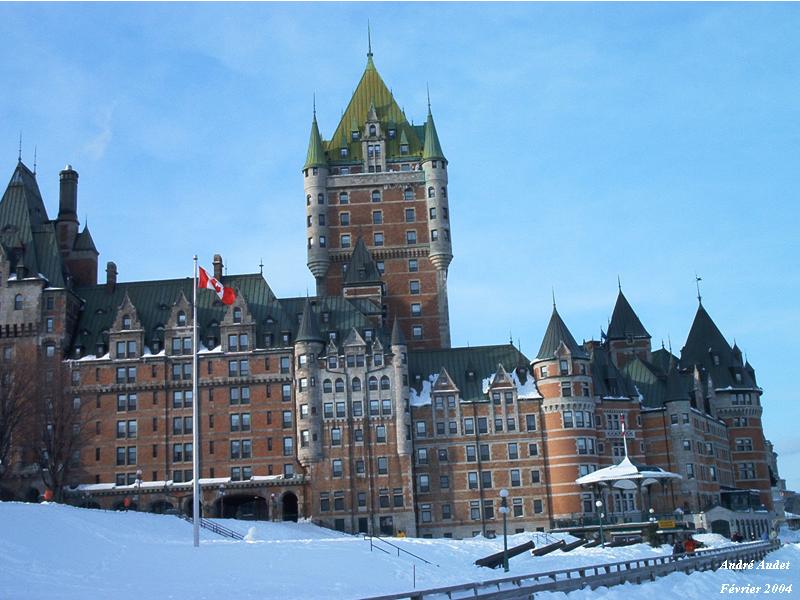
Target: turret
402 417
434 166
67 222
307 348
315 184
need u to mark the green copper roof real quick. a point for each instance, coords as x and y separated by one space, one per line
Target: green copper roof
432 149
624 321
316 153
84 241
309 328
556 333
371 90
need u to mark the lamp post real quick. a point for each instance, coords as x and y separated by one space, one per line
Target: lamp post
221 500
599 505
138 486
504 512
652 515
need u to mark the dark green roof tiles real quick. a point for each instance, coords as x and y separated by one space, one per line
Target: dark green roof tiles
624 321
84 241
316 153
397 335
309 327
432 149
556 333
361 270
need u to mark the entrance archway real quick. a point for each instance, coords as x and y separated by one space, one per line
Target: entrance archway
160 507
241 506
289 507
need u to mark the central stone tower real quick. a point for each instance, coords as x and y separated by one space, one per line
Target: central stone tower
384 180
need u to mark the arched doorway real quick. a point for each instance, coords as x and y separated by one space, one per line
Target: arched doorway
289 507
160 507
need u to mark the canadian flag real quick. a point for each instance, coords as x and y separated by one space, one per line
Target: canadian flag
226 294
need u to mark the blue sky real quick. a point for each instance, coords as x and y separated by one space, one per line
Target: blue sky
586 141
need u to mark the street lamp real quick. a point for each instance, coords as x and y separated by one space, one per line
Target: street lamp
504 512
138 486
652 515
599 505
221 500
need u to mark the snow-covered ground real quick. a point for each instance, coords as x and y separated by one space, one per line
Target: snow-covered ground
52 551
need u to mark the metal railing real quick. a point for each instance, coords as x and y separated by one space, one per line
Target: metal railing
215 528
399 549
566 580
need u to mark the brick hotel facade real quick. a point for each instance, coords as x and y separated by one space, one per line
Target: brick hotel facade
350 407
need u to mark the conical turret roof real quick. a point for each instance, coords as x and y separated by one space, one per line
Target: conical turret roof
361 269
84 240
309 327
624 321
556 333
432 149
397 335
316 153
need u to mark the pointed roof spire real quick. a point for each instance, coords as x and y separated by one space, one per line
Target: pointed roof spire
619 284
432 148
361 269
309 328
697 281
397 335
369 40
84 241
19 153
624 321
556 333
316 153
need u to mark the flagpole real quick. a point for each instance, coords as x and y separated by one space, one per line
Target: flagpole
195 419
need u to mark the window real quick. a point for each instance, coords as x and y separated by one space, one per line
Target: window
376 196
469 425
336 437
488 510
424 483
744 445
472 480
411 237
535 476
416 309
689 470
383 465
380 435
566 389
339 385
416 332
377 217
413 265
414 288
567 416
530 422
344 198
486 479
533 449
288 446
410 215
538 506
344 240
377 238
431 192
516 480
403 148
513 451
471 454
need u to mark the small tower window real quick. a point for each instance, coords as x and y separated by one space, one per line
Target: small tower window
411 237
237 315
431 192
433 212
444 192
18 302
322 241
378 239
320 198
126 322
314 170
181 319
434 235
373 131
345 241
344 218
308 200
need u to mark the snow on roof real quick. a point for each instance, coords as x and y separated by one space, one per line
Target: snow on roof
424 396
625 474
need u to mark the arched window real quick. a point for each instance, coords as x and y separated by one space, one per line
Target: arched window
308 198
237 315
376 196
181 319
356 384
18 302
373 131
320 198
373 384
408 194
339 385
327 387
384 383
431 192
126 321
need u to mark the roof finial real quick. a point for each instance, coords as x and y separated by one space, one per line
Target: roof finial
510 338
19 153
34 160
553 289
261 266
314 104
669 339
369 40
428 90
619 284
697 281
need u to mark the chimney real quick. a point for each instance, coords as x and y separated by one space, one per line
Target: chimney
218 267
68 194
111 277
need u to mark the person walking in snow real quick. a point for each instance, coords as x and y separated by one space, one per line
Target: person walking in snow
677 548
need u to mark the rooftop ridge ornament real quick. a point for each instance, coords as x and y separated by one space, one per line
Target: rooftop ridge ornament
697 281
19 152
369 40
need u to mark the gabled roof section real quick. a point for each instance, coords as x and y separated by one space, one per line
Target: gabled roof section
315 157
309 327
432 149
624 321
371 90
483 361
607 379
26 233
361 270
556 333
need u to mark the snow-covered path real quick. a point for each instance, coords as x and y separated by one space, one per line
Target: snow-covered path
53 551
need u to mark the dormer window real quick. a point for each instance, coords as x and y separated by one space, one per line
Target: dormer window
181 319
126 322
392 133
403 148
715 359
343 152
237 315
354 135
368 335
738 378
373 131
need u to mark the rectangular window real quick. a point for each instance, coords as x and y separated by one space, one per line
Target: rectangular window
566 389
424 483
413 265
513 452
383 465
530 422
377 239
486 479
516 480
535 476
411 237
472 480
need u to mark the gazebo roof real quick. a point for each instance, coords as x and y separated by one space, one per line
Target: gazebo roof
627 475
